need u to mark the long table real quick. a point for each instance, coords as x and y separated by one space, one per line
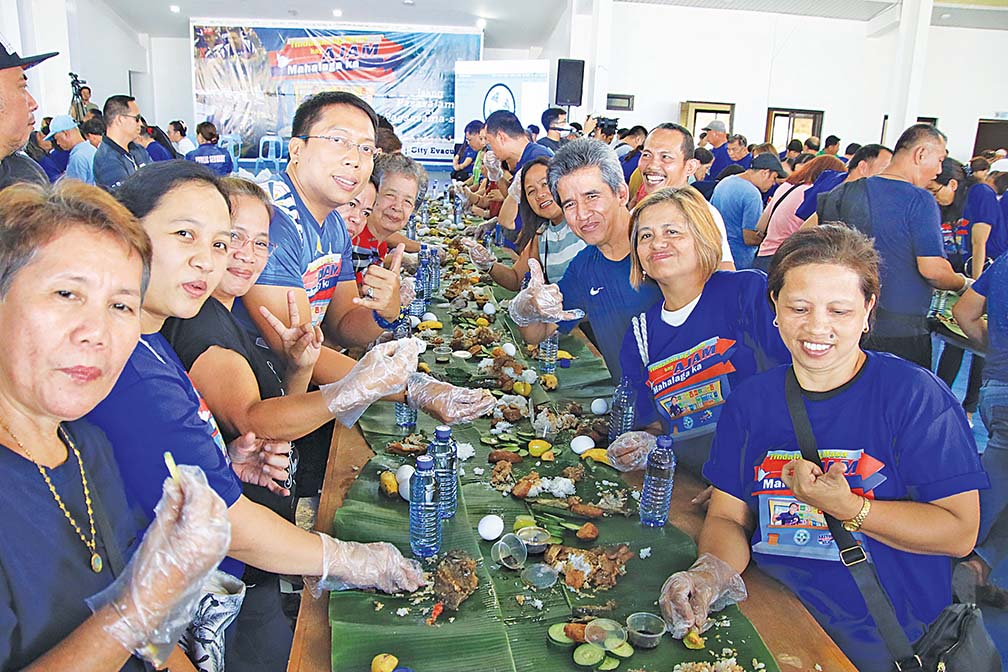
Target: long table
792 635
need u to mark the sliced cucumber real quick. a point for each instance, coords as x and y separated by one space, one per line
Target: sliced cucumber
624 650
609 663
523 452
489 440
588 655
570 526
556 635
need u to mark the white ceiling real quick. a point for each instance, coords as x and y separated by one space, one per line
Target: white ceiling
511 24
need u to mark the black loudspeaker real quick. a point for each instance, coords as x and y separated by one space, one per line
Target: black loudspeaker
569 82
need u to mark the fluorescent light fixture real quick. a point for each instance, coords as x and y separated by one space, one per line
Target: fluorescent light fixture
481 23
337 13
409 2
174 9
946 15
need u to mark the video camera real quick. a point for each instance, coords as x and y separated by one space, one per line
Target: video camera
606 125
76 83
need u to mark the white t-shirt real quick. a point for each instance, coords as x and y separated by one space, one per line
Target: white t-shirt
184 146
726 254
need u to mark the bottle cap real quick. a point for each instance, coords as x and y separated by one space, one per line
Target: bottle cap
425 463
665 441
442 432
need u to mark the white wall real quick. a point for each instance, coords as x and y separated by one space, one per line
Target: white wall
172 73
103 49
667 55
557 46
960 92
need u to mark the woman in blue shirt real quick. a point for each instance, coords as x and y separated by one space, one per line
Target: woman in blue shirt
72 268
903 471
711 330
208 153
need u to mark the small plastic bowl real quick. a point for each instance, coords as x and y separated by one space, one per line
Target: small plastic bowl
442 354
509 551
535 538
645 629
462 354
606 633
540 576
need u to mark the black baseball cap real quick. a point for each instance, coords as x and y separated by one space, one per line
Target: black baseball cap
768 161
11 59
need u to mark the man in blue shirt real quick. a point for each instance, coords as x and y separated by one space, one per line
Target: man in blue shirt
507 138
903 220
63 130
867 161
119 154
586 179
554 121
717 136
738 150
739 199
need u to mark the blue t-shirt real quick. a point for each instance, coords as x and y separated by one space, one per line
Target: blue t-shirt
468 153
691 369
903 436
533 150
993 284
45 569
630 162
601 288
827 181
154 409
740 203
81 163
313 257
982 207
211 156
60 157
721 160
158 152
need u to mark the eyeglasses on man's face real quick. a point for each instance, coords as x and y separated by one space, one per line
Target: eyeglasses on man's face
344 145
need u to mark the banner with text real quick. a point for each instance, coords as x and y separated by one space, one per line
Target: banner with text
249 80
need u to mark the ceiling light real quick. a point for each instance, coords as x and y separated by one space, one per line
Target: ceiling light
946 15
337 13
174 9
481 23
409 2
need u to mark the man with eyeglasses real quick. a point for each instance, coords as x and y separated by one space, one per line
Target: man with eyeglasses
667 161
119 155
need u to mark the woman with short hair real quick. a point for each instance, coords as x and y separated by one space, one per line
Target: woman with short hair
901 467
208 153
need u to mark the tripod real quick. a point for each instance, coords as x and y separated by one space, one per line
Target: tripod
77 109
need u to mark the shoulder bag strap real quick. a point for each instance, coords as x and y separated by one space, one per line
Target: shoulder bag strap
779 201
851 554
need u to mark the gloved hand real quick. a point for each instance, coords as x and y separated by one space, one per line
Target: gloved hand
261 462
444 401
630 450
407 291
482 258
492 166
540 302
349 564
410 262
380 372
688 597
158 591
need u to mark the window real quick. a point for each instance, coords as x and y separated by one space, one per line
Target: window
784 125
694 115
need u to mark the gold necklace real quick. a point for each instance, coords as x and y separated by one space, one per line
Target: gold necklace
96 559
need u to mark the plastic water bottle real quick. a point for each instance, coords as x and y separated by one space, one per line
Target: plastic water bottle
457 214
445 454
425 214
659 476
435 269
433 188
499 235
548 353
428 275
411 226
425 525
621 413
405 415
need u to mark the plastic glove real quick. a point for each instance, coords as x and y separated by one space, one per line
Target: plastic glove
630 450
444 401
160 588
688 597
380 372
482 258
407 291
349 564
261 462
492 166
410 262
540 302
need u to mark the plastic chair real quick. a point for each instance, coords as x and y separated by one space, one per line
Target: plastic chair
232 143
270 152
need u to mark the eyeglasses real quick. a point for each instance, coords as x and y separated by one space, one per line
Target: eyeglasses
134 117
261 248
345 146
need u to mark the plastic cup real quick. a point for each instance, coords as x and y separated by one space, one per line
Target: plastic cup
606 633
442 354
540 576
535 538
645 630
509 551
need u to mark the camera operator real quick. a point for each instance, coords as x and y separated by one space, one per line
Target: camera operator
17 117
601 128
80 104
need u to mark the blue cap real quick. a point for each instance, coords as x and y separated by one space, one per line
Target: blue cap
425 463
442 432
665 441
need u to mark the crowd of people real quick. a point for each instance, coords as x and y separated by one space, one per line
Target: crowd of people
151 305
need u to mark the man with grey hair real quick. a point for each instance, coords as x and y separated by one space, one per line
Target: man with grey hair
401 180
17 117
587 181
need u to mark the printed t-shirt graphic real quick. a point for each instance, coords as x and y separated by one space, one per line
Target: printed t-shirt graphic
308 255
793 528
691 386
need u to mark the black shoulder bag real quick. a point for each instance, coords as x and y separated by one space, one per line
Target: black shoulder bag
957 641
